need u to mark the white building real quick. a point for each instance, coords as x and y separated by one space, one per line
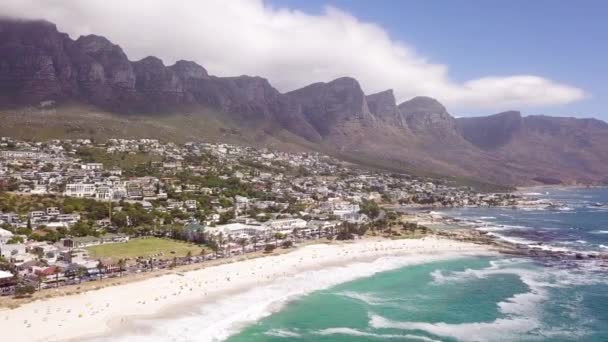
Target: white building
92 166
191 204
5 235
80 190
285 226
39 190
238 230
23 155
16 253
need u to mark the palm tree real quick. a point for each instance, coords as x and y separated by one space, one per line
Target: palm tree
121 266
203 251
242 242
228 245
189 256
294 233
80 272
277 236
57 271
214 245
100 267
220 240
254 240
39 279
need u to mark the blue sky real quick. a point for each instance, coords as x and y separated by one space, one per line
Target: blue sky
565 41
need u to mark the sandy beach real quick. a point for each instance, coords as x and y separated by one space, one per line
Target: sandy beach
120 309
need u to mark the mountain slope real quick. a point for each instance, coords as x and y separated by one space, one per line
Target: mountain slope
92 78
564 150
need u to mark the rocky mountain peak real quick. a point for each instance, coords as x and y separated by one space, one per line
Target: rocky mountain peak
383 105
92 44
330 106
151 62
27 30
189 70
427 116
423 105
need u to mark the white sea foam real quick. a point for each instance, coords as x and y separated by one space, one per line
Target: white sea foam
515 240
217 321
367 298
530 243
532 209
550 248
604 246
498 330
492 228
522 311
599 232
282 333
359 333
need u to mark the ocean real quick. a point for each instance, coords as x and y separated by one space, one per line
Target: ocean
471 299
500 298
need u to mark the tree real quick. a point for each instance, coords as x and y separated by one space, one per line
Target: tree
269 248
220 240
57 272
121 266
277 236
295 234
214 246
100 268
39 279
81 228
80 273
14 240
228 244
24 291
370 208
254 240
226 216
189 256
242 242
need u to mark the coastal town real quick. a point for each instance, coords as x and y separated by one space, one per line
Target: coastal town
68 207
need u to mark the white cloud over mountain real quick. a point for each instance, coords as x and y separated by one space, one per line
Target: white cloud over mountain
289 47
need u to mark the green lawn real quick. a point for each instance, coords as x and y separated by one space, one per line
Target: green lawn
144 247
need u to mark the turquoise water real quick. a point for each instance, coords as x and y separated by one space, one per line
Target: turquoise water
471 299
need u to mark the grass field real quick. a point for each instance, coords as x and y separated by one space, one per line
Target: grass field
144 247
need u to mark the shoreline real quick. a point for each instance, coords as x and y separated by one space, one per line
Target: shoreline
558 186
121 309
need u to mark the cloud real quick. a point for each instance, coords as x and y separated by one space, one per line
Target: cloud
289 47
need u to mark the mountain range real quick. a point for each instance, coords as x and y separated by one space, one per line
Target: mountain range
42 67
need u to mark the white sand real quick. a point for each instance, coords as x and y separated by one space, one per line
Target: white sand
88 314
